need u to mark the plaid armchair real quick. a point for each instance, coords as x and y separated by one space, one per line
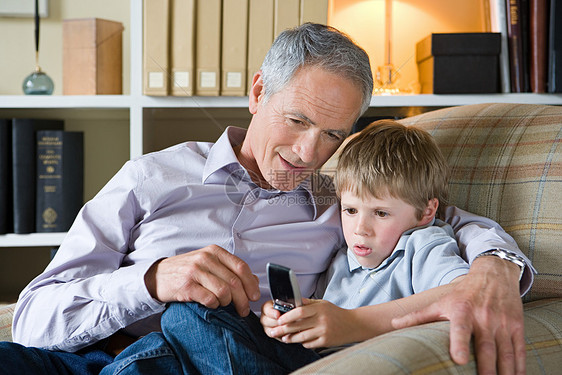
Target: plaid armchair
506 162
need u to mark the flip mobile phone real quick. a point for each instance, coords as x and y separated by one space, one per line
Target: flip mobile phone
284 288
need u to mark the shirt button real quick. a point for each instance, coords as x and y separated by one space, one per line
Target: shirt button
238 235
144 307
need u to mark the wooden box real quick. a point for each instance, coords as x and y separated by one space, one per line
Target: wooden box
92 57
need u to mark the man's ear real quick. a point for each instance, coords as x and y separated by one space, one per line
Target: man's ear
429 211
256 92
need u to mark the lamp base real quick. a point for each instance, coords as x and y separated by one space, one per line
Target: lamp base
386 79
38 83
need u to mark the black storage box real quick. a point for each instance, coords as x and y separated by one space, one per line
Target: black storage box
459 63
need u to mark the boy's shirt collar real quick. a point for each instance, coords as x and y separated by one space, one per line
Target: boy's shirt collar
400 246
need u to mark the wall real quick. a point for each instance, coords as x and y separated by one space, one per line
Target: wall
17 46
413 20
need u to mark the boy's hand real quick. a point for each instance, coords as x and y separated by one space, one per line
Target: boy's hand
316 324
269 317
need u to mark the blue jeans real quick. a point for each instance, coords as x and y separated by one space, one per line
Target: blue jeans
135 359
198 340
18 359
194 340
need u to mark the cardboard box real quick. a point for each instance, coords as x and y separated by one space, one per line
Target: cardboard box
92 57
459 63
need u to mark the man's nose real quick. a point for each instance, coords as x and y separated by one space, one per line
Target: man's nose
306 147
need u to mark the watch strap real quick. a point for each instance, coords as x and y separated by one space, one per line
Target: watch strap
506 255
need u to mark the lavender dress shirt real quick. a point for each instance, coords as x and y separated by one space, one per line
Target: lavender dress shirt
171 202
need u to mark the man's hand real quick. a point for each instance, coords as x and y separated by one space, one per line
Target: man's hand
211 276
485 303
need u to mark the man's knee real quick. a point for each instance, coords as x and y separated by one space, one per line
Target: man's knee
149 354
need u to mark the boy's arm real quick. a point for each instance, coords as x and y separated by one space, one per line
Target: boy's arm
320 323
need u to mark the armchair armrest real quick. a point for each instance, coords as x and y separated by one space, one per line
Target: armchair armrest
6 317
425 349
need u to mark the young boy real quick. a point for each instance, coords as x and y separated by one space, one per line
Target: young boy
391 180
392 183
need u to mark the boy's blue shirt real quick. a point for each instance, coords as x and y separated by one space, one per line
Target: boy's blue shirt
424 258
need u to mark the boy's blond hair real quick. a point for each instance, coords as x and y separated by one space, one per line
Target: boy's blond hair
390 157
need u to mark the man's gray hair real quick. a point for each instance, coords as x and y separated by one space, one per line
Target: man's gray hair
316 45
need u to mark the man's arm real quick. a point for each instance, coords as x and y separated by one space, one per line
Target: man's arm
87 294
476 235
486 303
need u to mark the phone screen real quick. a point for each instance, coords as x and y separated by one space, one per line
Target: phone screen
284 287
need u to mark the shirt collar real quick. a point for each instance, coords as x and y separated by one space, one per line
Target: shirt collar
400 246
221 157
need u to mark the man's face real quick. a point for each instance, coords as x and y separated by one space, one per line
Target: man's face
299 127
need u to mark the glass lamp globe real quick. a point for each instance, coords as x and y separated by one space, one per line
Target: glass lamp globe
38 83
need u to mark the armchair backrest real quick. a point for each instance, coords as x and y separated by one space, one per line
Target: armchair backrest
506 164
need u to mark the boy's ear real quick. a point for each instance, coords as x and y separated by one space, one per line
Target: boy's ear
256 92
429 211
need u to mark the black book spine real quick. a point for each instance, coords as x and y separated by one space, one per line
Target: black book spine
515 42
23 170
555 47
60 179
6 176
525 44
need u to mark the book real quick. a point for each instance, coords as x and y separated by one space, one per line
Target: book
60 179
260 35
5 176
208 47
498 24
538 36
182 47
524 17
555 48
234 47
156 22
24 169
287 15
315 11
515 42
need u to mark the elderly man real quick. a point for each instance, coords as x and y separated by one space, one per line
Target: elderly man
199 221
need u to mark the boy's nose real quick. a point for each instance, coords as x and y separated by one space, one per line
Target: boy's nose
362 228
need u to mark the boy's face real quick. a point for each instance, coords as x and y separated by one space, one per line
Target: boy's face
372 226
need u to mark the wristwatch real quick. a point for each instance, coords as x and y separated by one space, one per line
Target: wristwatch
506 255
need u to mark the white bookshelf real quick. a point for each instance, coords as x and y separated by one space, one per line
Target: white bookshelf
133 108
32 239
